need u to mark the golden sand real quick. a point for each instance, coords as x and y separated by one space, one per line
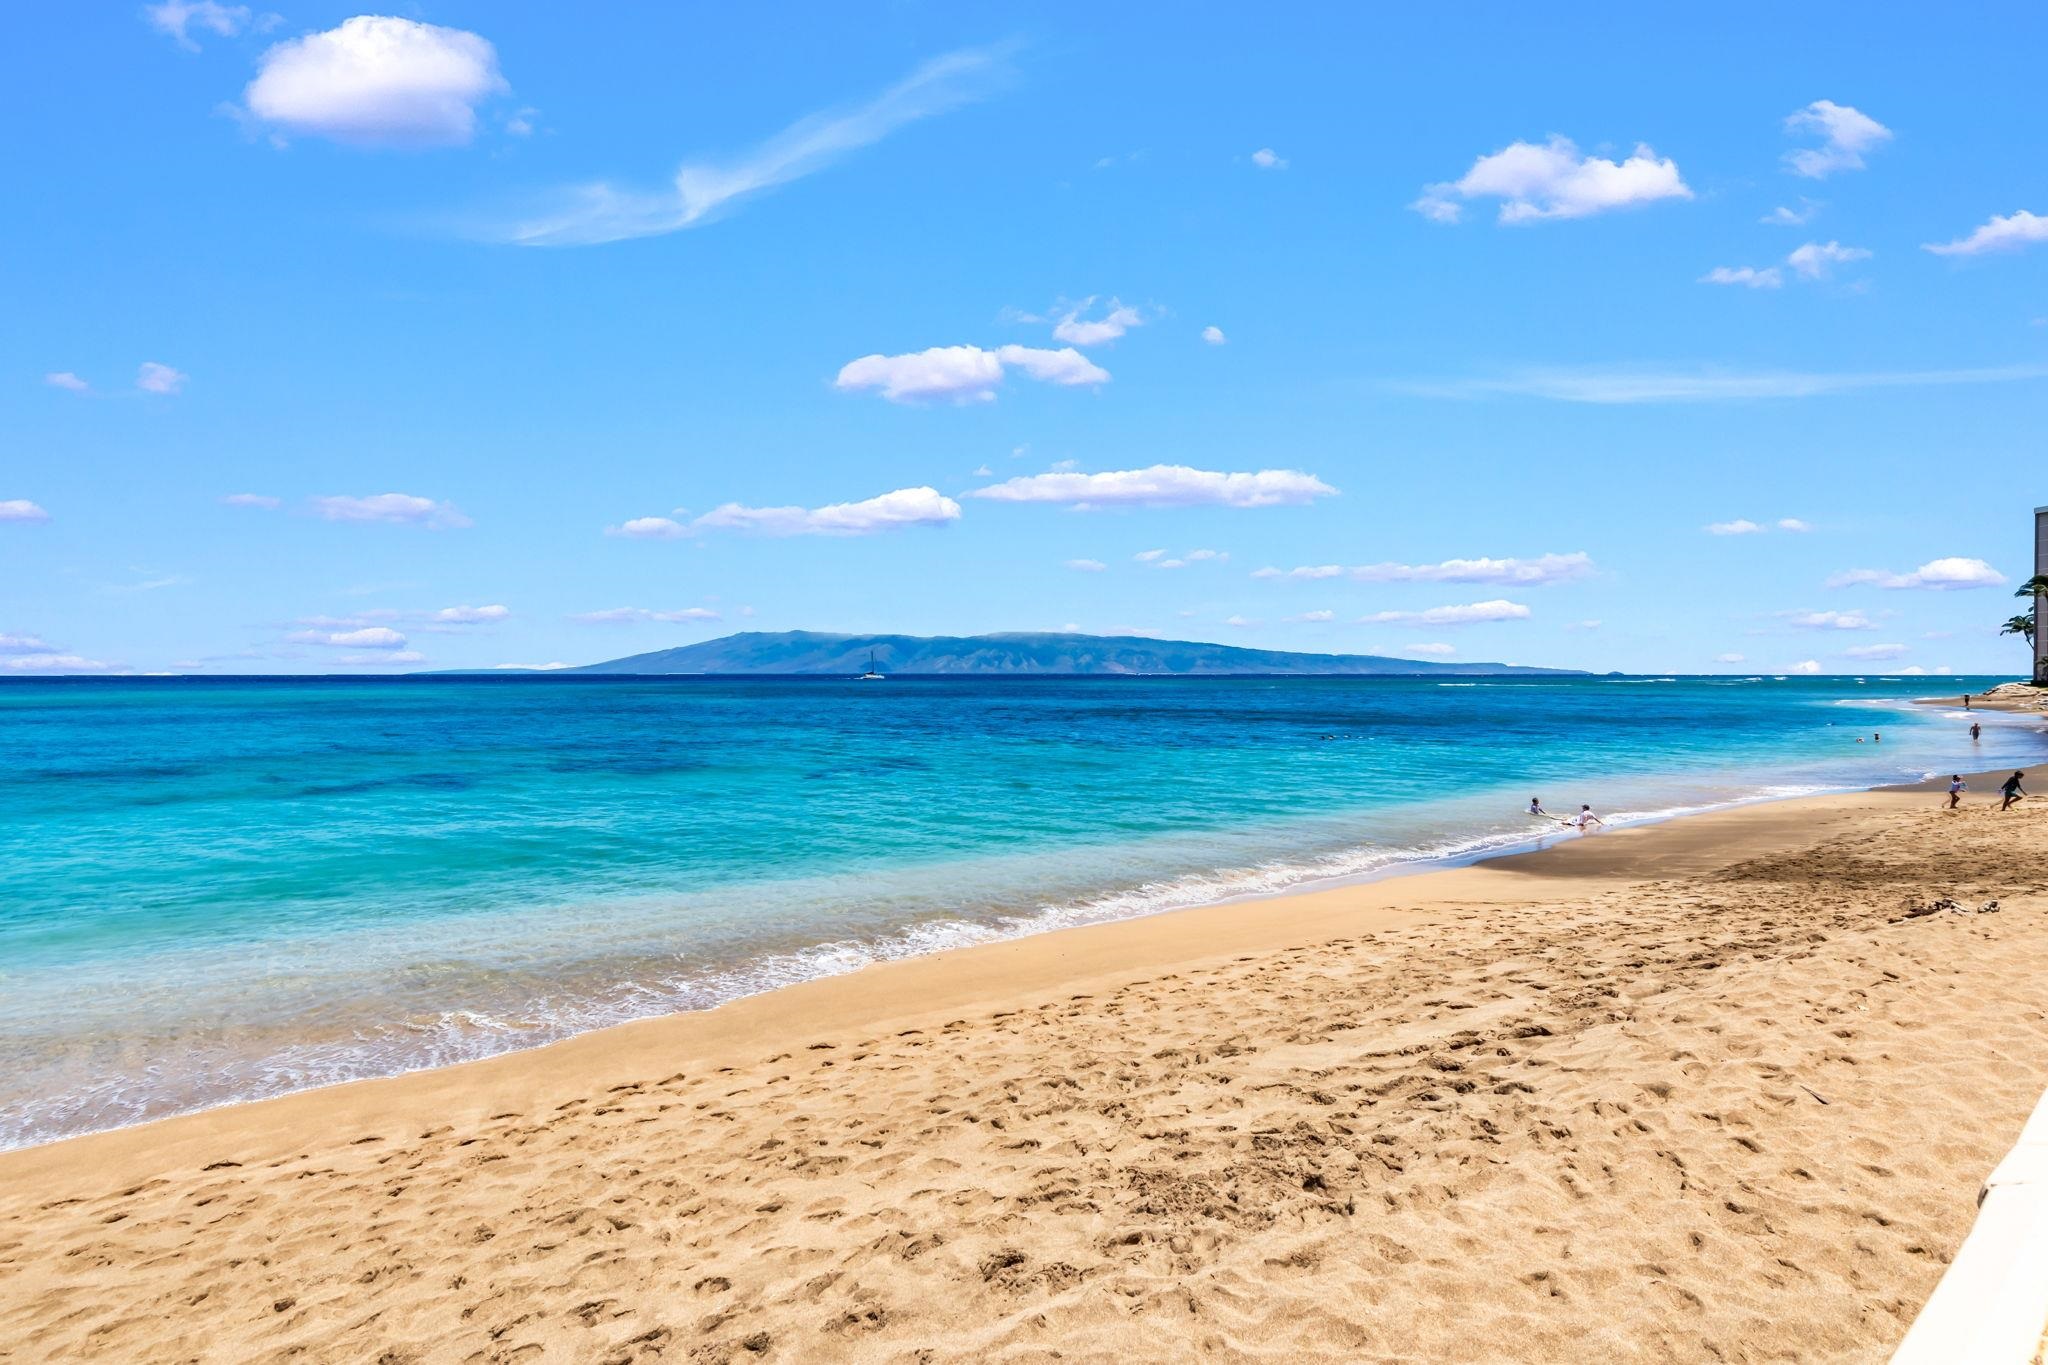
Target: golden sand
1684 1093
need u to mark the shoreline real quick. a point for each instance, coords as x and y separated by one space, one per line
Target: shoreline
1676 1090
1319 895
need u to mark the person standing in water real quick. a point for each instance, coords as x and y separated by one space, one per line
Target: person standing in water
2013 790
1956 788
1976 732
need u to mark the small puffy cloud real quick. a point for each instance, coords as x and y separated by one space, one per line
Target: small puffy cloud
154 377
1747 276
262 501
1782 216
1076 330
1086 565
377 81
1806 666
1876 652
1940 575
1730 658
398 509
633 616
64 379
1148 556
964 374
2007 232
52 661
1314 617
1496 610
1241 622
21 509
1555 181
1794 525
648 528
1815 260
905 507
1740 527
1266 159
1214 336
471 616
23 644
1198 556
1829 620
1306 572
177 18
1846 133
1543 569
1162 485
983 472
1432 650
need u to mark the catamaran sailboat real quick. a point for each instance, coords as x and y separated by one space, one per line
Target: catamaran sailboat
872 675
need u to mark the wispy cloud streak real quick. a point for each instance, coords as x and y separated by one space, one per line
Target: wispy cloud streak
592 214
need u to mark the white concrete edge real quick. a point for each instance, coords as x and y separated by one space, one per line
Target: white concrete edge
1991 1307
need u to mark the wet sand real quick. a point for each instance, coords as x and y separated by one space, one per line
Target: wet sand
1694 1091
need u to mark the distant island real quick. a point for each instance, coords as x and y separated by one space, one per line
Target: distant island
809 652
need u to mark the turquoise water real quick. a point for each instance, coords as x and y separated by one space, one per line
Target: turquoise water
221 889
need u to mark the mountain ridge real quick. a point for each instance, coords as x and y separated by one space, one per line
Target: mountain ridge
1015 653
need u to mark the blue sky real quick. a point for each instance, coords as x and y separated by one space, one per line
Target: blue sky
486 334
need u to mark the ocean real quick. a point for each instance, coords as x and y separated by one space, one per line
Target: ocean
222 889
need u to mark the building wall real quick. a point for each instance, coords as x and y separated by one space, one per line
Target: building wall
2041 599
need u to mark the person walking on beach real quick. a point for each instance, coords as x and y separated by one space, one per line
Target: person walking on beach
1585 820
1976 731
1956 788
2013 790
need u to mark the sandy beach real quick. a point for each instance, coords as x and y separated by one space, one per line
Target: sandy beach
1693 1091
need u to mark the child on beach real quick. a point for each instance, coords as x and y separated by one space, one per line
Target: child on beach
2012 789
1585 820
1956 787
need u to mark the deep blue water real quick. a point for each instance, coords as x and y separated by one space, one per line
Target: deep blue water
215 889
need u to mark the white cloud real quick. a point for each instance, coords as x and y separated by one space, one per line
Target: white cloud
1314 616
64 379
1162 485
1829 620
1197 556
1937 574
1739 527
1846 133
2007 232
23 644
1524 572
1087 565
1795 525
648 528
158 378
1433 650
964 374
631 616
1749 276
1730 658
366 637
1495 610
377 80
1782 216
1633 384
1266 159
1241 622
1554 181
21 509
258 500
1807 666
1075 330
888 512
177 19
1306 572
587 215
1147 556
52 661
1876 652
983 472
401 509
533 668
1170 564
1214 336
471 616
1816 259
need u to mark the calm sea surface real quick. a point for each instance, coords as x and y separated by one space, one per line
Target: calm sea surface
223 889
